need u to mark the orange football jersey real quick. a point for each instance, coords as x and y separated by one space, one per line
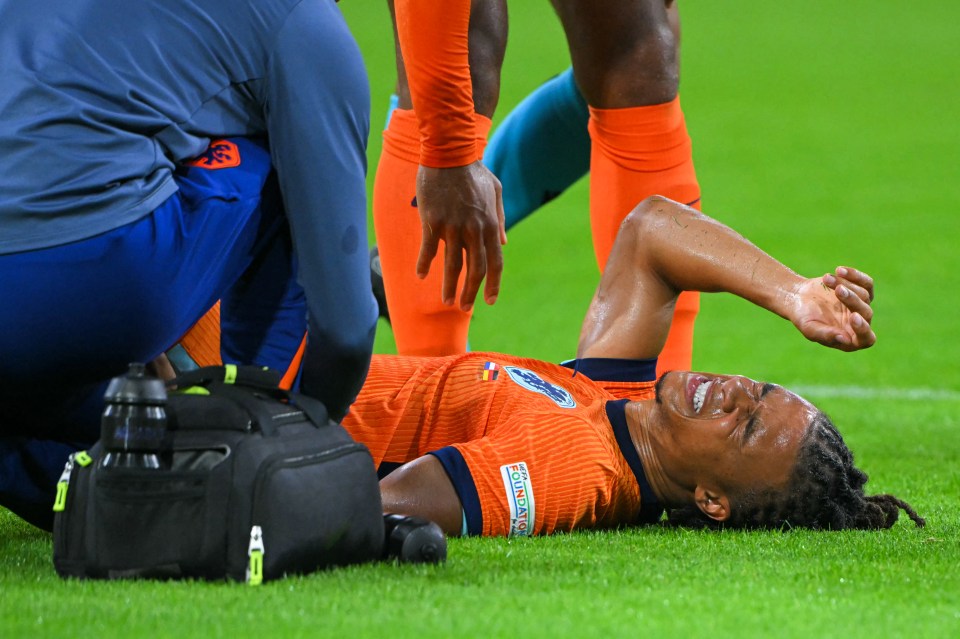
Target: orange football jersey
529 446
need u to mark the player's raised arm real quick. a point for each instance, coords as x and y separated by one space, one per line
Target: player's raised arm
664 247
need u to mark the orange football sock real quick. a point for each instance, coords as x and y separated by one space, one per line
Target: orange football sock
677 353
638 152
422 325
202 342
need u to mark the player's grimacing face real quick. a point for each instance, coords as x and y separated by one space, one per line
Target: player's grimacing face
731 430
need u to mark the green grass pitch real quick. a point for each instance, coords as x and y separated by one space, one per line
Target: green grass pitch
826 132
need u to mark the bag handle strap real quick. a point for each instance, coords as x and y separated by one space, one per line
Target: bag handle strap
262 418
240 384
249 376
314 409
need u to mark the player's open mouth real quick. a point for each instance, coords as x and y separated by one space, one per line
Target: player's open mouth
699 395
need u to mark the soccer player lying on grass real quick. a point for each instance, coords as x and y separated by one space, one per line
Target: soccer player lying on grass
492 444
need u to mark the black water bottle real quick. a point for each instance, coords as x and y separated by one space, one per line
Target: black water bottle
133 427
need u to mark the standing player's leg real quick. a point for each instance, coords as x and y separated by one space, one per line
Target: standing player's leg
541 147
626 60
422 325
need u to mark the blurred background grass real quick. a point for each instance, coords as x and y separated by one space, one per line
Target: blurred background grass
826 132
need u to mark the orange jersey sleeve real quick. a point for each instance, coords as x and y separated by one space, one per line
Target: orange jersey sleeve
549 471
433 41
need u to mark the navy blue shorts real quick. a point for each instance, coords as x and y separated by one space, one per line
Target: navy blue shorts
75 315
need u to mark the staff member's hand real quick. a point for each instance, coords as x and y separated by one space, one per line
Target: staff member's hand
462 206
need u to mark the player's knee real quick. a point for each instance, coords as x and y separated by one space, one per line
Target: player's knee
646 72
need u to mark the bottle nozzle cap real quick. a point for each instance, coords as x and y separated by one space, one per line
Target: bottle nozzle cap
136 386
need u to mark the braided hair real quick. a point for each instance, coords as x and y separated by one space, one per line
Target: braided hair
825 492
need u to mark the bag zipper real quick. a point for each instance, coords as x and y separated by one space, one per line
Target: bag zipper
81 459
255 557
61 521
256 548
